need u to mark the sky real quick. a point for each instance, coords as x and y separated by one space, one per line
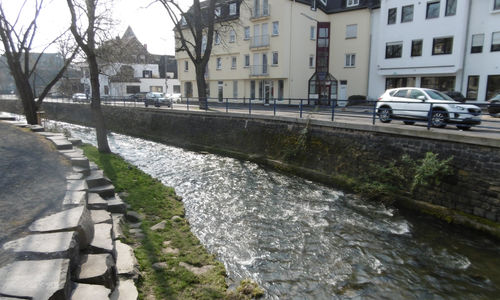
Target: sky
149 21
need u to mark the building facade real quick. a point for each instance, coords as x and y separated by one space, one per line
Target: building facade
282 49
447 45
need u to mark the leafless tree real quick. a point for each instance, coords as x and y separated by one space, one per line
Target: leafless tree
88 21
17 40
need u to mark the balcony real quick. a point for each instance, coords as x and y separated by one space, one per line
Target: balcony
259 13
259 70
259 41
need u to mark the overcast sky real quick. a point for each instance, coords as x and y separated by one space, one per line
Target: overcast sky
150 22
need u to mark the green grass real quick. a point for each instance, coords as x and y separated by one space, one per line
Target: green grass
157 202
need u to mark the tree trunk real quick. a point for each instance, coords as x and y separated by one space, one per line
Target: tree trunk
202 87
95 106
25 93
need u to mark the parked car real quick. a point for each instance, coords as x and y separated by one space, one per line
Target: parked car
494 105
138 97
410 104
457 96
175 98
80 97
156 99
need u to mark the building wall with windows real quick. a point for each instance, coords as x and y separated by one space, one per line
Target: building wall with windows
482 61
418 43
272 52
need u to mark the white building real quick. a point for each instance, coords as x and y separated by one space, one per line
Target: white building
429 44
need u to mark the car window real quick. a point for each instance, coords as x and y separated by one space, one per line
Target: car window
391 93
414 94
438 95
401 93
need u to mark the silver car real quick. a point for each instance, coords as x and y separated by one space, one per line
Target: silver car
411 104
156 99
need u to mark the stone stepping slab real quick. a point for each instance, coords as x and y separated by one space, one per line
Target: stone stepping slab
60 143
97 178
125 290
103 240
75 219
74 198
101 216
75 141
76 185
36 279
81 162
74 176
104 191
97 269
36 128
117 229
96 202
116 205
84 171
126 263
84 291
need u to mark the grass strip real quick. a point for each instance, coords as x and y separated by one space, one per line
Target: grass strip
162 254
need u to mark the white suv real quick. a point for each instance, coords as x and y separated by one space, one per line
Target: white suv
410 104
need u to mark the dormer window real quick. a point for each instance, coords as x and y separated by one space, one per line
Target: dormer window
232 9
217 11
183 21
324 2
351 3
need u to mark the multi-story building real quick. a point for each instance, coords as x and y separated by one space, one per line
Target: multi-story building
441 44
308 49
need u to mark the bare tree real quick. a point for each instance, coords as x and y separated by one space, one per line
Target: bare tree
86 24
17 40
194 31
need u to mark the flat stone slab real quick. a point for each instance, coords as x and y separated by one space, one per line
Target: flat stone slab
74 150
70 154
125 290
37 128
126 263
36 279
74 176
60 143
116 205
96 202
74 198
84 291
97 178
75 141
101 216
84 171
53 134
94 166
76 185
117 225
107 190
46 246
103 240
79 161
97 269
75 219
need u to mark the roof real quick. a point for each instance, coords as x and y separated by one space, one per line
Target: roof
337 6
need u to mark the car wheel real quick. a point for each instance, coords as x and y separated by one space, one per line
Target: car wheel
463 127
385 114
439 118
409 122
145 104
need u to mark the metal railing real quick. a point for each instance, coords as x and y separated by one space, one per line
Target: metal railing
259 70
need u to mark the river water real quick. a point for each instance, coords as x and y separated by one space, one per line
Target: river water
302 240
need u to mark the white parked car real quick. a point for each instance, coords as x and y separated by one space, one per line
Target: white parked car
80 97
175 98
410 104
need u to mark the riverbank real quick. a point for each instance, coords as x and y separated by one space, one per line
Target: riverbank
173 263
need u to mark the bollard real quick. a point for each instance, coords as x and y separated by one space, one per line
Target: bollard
333 108
301 108
429 118
250 106
374 111
227 105
274 107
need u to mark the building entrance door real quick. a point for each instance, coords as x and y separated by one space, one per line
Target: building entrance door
268 91
220 89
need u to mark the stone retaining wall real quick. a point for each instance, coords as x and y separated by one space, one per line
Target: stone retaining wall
323 151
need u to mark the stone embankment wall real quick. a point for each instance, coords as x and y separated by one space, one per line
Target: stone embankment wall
324 151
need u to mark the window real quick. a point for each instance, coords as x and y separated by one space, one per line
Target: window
252 89
350 60
324 2
445 83
233 62
247 60
477 43
472 87
232 9
401 93
442 46
312 32
351 31
203 43
451 8
496 4
133 89
188 89
247 33
281 87
395 82
416 48
217 11
276 28
275 58
391 16
218 62
183 21
351 3
432 10
147 74
232 36
217 38
186 66
493 86
235 88
414 94
407 14
495 41
393 50
311 61
157 88
177 89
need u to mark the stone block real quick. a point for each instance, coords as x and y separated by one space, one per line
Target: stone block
133 217
94 166
84 291
76 185
71 154
75 141
125 290
84 171
96 202
81 162
74 176
97 178
116 205
74 198
75 219
37 128
74 150
36 279
103 240
104 191
51 134
97 269
46 246
60 143
117 228
101 216
126 263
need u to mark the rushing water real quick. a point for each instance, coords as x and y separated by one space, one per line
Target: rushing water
302 240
